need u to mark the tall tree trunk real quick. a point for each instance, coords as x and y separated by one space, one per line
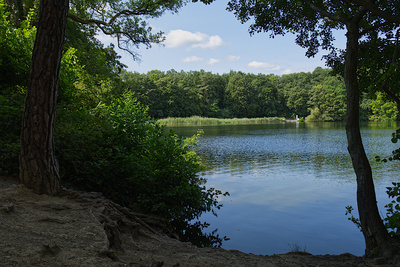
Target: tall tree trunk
38 166
375 234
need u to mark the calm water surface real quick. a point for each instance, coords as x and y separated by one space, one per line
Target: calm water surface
289 184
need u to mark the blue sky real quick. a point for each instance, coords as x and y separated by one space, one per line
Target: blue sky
210 38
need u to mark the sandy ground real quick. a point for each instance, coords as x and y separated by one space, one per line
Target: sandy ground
85 229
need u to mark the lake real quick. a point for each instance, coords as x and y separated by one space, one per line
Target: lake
289 184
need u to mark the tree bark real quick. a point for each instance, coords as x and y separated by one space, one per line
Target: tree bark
38 166
376 237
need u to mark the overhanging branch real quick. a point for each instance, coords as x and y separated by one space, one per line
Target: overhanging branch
112 19
370 6
323 12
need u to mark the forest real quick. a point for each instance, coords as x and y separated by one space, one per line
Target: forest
106 135
313 96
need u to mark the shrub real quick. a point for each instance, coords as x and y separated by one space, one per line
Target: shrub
119 150
11 104
392 220
317 115
15 56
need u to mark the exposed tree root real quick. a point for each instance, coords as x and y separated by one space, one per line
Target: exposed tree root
120 222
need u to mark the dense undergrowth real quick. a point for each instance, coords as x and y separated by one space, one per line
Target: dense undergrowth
105 140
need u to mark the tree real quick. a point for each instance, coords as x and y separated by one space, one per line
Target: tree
328 97
313 22
381 73
266 95
38 165
296 90
211 89
20 10
239 95
383 109
121 19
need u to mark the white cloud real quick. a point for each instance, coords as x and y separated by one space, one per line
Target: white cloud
210 42
233 58
192 59
178 38
105 38
263 65
212 61
287 71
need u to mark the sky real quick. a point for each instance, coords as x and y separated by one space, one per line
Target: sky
208 37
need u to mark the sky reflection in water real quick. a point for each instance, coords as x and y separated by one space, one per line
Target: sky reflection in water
289 184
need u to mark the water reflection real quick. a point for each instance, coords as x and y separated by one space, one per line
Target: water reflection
289 184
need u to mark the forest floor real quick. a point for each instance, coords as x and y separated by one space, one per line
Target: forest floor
86 229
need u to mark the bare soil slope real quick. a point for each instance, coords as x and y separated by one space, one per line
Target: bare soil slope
85 229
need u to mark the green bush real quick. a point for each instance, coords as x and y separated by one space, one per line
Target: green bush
119 150
15 49
15 56
392 220
317 115
11 104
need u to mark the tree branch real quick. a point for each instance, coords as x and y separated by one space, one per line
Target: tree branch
373 28
88 21
323 12
112 19
370 6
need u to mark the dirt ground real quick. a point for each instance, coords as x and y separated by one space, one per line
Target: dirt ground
85 229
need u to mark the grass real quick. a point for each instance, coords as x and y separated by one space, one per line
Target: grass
197 120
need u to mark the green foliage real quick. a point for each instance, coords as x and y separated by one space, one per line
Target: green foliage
328 97
316 115
119 150
99 63
392 220
383 109
15 49
249 95
15 55
11 103
365 107
178 94
295 89
395 153
240 95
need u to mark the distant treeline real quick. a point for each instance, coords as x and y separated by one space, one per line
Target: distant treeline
315 96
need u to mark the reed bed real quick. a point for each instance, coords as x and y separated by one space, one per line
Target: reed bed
197 120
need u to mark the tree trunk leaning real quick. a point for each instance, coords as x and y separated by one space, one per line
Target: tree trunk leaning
38 166
376 237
